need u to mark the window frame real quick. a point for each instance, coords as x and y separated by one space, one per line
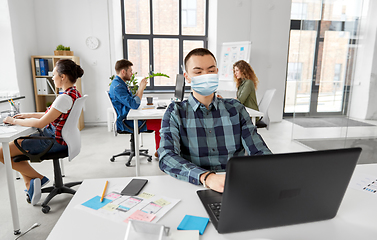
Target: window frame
150 37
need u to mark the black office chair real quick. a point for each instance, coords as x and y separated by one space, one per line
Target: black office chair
131 152
71 135
128 152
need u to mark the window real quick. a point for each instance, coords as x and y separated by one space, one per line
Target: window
294 71
157 35
299 10
188 13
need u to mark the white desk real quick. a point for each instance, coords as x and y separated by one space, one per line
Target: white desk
356 218
140 114
5 138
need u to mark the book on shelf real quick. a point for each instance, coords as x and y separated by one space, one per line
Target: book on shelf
37 68
43 64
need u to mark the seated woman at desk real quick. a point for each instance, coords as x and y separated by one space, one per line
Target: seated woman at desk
246 82
52 121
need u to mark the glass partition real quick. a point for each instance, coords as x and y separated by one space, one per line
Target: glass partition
320 72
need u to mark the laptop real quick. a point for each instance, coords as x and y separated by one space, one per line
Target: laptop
264 191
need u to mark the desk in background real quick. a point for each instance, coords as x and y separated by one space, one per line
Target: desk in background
6 136
356 218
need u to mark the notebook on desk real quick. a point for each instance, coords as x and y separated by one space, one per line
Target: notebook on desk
281 189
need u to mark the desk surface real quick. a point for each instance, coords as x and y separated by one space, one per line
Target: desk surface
355 219
10 132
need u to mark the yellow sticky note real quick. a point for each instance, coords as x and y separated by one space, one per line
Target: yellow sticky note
162 202
146 195
110 207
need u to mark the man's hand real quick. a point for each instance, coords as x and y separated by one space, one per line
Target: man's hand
215 182
143 84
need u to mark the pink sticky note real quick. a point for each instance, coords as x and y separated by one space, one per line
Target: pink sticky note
141 216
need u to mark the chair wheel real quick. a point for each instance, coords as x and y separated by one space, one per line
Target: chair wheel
46 209
146 151
149 159
128 164
112 159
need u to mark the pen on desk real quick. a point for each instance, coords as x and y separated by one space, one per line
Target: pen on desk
104 191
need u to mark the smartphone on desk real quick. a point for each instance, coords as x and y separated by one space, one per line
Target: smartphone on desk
134 187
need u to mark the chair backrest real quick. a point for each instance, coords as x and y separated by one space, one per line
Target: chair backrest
115 114
70 132
264 104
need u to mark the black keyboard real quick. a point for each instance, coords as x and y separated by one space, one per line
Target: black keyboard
216 209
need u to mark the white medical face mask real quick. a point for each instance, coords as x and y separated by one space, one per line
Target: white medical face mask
205 84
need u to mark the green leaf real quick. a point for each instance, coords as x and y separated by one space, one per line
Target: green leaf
157 75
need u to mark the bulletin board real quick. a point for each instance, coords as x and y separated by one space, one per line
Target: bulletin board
230 53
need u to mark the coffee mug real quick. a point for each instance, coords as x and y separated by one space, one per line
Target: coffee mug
149 100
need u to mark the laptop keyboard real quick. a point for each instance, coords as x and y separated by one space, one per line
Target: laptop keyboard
216 209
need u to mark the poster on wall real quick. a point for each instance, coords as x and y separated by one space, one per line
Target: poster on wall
230 53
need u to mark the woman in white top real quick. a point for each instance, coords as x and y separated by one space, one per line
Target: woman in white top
65 75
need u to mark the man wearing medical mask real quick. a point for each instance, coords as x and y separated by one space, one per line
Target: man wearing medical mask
199 135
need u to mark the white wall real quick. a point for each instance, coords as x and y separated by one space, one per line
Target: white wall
70 23
266 24
8 79
24 39
270 26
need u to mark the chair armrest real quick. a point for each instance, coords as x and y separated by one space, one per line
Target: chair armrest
35 157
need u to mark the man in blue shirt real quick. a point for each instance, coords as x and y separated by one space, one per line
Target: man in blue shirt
121 96
199 135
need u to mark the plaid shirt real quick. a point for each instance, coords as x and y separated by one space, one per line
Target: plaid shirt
60 121
195 139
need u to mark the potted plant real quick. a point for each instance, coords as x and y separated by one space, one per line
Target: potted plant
133 82
63 51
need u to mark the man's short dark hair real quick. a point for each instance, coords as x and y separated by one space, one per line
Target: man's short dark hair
122 64
198 52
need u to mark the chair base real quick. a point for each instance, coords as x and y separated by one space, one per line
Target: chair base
58 187
128 152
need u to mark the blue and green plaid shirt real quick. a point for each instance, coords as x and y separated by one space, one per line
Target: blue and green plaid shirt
195 139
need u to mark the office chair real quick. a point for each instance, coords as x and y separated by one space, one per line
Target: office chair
128 152
71 135
263 106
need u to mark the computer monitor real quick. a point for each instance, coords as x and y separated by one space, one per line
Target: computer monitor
179 87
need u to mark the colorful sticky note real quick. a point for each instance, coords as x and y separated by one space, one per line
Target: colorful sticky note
141 216
110 207
113 195
145 195
162 202
193 223
95 203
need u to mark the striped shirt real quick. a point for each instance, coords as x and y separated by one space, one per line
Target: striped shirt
195 139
